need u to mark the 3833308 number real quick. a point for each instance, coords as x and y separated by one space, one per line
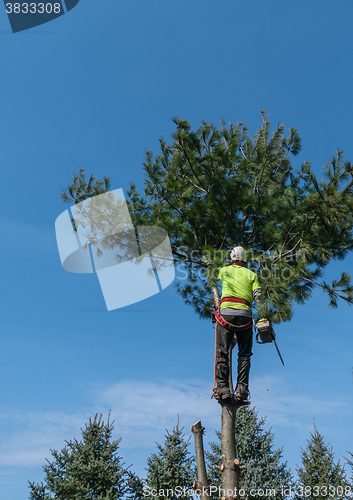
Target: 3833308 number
324 491
33 8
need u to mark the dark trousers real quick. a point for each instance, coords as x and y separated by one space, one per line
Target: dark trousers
225 338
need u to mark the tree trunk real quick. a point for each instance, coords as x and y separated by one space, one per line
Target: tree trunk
230 376
229 467
202 483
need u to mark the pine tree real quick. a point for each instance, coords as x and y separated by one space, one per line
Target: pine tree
213 188
171 471
87 469
319 476
80 189
264 469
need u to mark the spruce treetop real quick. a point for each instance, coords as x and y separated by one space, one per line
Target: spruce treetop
87 469
319 476
350 463
172 467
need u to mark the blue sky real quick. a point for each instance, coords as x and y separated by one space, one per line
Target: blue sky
95 88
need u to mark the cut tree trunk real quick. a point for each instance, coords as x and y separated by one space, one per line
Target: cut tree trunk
202 483
229 467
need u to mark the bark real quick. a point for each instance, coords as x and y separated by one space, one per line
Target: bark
215 294
228 449
229 467
230 376
202 483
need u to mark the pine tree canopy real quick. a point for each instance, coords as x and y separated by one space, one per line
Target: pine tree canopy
87 469
171 471
80 190
254 448
319 477
214 188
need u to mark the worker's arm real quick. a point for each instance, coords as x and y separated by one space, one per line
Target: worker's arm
256 295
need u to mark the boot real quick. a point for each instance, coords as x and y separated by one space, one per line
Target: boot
242 390
222 371
223 393
242 393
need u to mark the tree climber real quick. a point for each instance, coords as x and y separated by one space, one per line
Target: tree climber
240 287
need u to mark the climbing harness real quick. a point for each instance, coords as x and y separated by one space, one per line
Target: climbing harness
225 323
235 299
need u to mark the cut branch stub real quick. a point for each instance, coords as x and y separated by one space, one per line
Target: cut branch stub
197 428
196 485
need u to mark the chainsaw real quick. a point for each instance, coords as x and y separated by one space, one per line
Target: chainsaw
266 333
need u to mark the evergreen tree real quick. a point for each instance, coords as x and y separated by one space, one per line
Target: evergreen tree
350 463
264 468
172 469
80 189
87 469
213 188
319 476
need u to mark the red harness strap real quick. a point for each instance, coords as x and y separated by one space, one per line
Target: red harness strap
235 299
225 323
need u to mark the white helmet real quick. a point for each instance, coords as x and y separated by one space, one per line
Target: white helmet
238 253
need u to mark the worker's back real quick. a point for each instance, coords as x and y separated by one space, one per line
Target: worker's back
239 282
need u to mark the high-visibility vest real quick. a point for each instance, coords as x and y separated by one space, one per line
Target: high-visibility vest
238 282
